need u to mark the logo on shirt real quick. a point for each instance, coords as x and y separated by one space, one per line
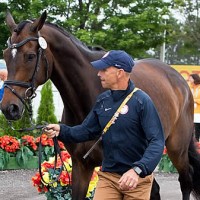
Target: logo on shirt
124 110
106 109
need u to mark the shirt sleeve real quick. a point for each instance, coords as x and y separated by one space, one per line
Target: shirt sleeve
88 130
155 136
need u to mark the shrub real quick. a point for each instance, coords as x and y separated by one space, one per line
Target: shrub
46 108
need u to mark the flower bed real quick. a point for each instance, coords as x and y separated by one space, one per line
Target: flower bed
23 153
61 189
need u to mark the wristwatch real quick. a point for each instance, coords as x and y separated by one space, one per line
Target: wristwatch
137 170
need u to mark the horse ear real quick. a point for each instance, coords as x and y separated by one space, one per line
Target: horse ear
38 23
10 21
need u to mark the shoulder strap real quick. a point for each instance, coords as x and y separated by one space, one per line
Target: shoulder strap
116 115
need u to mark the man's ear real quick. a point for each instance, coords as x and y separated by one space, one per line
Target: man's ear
120 73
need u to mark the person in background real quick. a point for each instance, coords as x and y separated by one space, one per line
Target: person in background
194 83
133 144
3 77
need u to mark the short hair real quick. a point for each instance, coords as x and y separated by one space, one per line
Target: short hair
196 78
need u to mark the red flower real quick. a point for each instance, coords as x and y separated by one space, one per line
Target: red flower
165 151
48 142
62 146
28 140
9 143
36 179
65 178
47 165
65 155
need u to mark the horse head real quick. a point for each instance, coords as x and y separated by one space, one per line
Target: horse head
27 64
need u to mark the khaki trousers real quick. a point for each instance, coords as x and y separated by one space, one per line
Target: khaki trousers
108 188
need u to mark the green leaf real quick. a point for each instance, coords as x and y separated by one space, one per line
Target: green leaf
23 155
46 149
4 158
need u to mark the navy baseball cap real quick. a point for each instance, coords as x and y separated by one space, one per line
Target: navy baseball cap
115 58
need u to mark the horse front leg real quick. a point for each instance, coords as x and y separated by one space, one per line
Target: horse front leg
81 175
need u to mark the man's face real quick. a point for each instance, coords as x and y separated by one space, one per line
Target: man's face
109 77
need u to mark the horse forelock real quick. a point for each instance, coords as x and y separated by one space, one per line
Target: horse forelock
21 26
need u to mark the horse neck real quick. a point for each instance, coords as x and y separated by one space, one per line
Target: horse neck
74 77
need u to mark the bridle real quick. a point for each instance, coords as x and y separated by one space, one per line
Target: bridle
27 100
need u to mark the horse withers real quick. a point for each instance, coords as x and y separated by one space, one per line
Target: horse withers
38 51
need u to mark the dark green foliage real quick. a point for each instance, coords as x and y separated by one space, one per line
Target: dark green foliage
24 122
134 26
4 158
23 155
46 108
4 31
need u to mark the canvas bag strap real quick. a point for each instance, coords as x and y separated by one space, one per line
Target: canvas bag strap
112 120
116 115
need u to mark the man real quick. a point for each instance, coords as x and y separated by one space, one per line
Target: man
3 77
132 145
194 84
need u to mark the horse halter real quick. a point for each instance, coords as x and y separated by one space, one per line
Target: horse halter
29 85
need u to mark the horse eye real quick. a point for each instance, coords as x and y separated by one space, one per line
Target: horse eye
30 57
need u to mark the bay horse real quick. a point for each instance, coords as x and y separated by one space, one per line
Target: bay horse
38 51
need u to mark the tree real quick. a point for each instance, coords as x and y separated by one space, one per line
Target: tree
4 31
46 108
132 25
185 46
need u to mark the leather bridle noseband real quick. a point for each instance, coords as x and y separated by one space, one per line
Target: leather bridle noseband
29 85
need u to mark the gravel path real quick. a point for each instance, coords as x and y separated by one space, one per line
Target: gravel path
17 185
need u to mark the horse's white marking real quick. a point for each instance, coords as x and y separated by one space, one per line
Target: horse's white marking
14 52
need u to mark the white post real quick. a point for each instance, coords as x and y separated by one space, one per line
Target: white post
162 48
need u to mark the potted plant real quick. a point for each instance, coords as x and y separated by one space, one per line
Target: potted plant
61 189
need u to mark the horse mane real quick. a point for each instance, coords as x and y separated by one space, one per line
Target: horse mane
75 40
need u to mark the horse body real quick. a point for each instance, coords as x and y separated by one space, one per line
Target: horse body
66 61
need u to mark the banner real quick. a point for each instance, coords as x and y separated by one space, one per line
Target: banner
185 71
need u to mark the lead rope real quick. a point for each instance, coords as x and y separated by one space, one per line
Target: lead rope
57 152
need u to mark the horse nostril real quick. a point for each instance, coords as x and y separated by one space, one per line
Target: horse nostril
12 112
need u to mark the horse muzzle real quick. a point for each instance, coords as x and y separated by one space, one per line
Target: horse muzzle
11 111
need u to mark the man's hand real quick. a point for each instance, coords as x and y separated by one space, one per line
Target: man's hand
129 180
52 130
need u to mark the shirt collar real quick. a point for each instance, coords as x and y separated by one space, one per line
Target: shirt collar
119 94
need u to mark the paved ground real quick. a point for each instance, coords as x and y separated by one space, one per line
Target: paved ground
17 185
